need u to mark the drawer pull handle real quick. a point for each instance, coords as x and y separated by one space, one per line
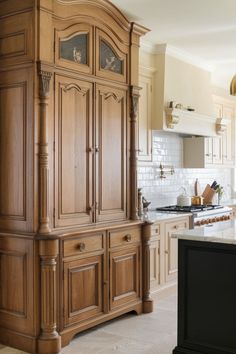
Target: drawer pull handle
157 231
81 246
128 238
176 227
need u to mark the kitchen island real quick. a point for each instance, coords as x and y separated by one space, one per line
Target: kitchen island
207 290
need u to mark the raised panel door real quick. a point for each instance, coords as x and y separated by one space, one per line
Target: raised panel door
217 150
124 276
17 285
171 248
111 152
208 150
83 289
16 151
74 197
154 264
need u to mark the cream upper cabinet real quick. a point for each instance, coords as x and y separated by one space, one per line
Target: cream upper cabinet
226 110
145 114
200 152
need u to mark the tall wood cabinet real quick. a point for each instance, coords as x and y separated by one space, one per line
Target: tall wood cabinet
73 252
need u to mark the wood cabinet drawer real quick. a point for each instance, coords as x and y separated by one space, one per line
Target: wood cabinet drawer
122 237
82 245
156 230
178 225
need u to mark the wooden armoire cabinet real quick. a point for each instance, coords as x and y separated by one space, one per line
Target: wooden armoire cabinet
73 252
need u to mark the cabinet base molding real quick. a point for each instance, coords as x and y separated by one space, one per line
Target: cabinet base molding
179 350
68 333
18 340
148 306
49 346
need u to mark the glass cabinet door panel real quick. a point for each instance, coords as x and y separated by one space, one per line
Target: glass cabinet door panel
109 60
75 49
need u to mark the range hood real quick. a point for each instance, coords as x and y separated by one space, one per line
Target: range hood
189 88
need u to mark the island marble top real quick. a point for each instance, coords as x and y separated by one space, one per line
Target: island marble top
223 232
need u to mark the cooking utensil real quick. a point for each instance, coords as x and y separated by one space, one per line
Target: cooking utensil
183 199
197 188
197 200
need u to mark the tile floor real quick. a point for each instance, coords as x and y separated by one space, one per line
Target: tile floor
153 333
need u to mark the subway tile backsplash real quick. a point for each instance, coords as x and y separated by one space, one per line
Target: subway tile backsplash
168 150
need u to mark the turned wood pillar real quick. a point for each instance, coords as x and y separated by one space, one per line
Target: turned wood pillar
44 88
133 152
147 300
49 341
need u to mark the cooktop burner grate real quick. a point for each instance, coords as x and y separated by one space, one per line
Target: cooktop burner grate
189 209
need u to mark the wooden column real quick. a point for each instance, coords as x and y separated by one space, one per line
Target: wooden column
44 88
134 96
147 300
49 341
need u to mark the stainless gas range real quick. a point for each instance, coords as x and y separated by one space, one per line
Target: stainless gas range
201 214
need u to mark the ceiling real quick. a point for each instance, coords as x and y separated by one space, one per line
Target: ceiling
203 29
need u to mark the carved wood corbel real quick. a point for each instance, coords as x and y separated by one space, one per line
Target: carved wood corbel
134 96
44 89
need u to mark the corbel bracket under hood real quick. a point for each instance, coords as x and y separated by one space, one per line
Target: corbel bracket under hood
188 122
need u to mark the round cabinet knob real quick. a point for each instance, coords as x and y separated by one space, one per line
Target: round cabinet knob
128 238
81 246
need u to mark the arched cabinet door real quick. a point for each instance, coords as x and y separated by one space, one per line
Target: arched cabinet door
74 48
111 57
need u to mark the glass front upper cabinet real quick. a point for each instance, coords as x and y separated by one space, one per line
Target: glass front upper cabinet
109 60
74 48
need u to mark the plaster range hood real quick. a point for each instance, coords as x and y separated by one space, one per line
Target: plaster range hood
187 85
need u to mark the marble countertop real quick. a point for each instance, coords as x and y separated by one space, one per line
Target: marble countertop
223 232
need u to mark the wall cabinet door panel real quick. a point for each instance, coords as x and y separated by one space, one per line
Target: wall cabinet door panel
73 152
83 289
111 153
16 146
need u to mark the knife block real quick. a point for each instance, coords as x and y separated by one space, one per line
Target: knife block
208 194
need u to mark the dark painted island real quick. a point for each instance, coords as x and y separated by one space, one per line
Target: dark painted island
207 290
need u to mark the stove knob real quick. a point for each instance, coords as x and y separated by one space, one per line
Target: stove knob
217 219
221 218
210 221
213 219
228 217
203 222
207 221
197 223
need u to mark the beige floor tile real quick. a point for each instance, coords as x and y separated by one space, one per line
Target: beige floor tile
153 333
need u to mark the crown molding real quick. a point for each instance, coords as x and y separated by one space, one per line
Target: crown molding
176 53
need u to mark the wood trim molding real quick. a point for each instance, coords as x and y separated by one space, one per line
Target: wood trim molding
44 89
146 241
134 98
49 340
